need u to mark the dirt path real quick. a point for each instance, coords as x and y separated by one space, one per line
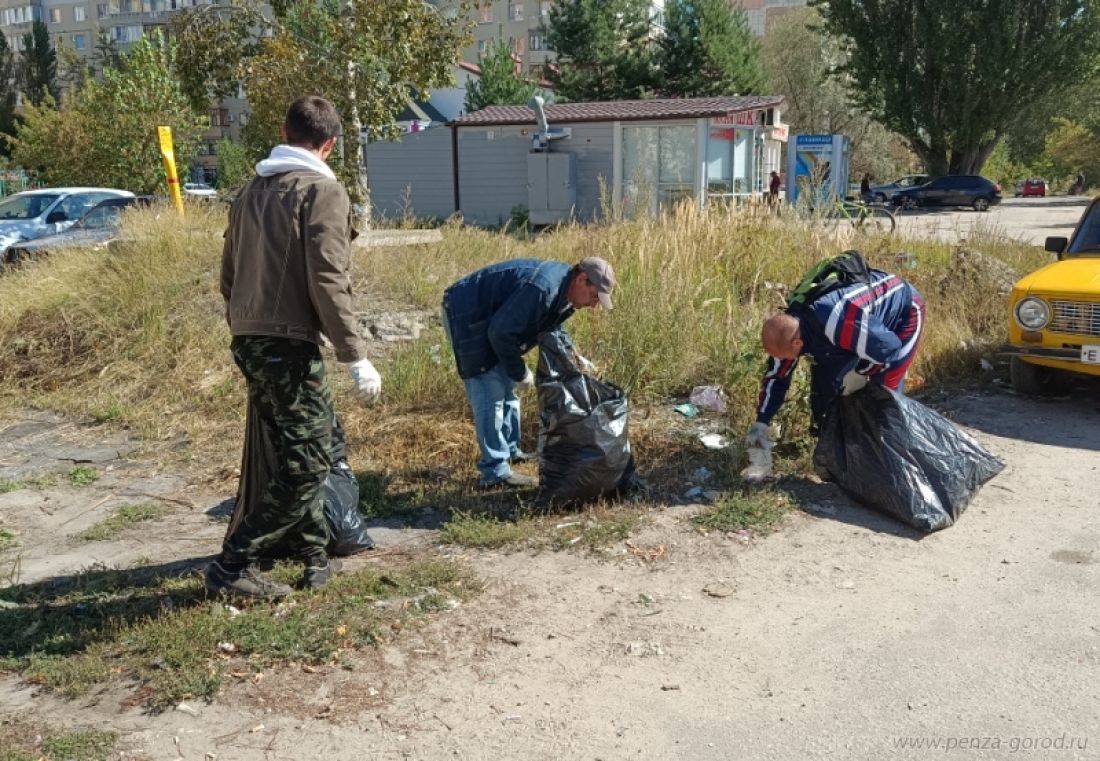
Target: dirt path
842 636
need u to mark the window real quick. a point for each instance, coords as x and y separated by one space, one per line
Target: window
129 33
485 12
544 7
515 11
78 41
146 6
55 15
78 13
534 41
219 117
658 166
100 11
482 46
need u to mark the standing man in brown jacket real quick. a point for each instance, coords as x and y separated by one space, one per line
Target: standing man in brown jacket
285 279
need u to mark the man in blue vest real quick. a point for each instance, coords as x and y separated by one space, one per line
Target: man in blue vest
493 317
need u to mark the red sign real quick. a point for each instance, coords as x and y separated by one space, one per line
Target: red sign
741 118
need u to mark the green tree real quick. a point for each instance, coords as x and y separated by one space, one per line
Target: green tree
106 54
499 83
107 134
7 95
234 164
953 78
708 49
362 55
800 60
38 66
605 49
1073 148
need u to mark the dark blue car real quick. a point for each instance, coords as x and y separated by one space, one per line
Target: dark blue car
952 190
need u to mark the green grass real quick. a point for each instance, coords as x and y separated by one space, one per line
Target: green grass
8 539
123 518
83 476
31 482
161 632
487 532
759 511
23 739
94 338
108 413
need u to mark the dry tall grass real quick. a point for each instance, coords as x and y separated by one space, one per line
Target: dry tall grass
136 336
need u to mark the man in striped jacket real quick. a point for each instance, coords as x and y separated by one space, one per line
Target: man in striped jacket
855 334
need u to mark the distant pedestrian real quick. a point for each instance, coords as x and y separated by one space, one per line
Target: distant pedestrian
774 183
1079 184
865 188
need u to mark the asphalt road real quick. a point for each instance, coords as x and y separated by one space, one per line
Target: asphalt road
1027 219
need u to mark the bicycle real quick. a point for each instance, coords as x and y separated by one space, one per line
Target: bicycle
875 220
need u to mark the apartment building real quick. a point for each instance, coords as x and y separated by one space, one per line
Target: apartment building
76 25
521 23
761 12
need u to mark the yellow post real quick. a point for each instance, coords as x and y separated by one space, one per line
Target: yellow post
169 156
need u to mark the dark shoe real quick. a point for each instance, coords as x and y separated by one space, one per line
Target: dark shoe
242 583
319 570
520 456
515 480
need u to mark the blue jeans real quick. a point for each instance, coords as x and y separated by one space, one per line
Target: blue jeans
496 422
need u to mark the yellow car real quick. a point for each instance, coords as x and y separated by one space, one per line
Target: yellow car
1054 320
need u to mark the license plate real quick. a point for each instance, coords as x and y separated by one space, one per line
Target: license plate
1090 354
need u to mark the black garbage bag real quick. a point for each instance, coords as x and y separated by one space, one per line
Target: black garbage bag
584 447
347 531
896 455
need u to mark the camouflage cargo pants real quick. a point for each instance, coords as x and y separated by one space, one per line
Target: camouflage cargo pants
290 395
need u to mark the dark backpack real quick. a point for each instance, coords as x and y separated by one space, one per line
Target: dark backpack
828 275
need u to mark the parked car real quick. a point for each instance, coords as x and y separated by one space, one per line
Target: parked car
98 227
953 190
1054 313
34 213
199 190
1033 186
883 193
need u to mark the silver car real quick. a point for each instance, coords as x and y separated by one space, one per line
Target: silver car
34 213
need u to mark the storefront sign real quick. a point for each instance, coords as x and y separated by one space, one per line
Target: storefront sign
741 119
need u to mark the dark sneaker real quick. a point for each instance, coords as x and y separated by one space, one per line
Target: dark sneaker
242 583
319 570
520 456
515 480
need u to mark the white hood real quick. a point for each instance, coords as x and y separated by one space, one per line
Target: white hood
287 158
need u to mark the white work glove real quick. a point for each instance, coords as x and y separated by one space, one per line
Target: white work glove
368 383
758 438
527 382
759 446
852 383
586 365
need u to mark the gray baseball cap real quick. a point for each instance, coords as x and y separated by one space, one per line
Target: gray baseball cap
600 275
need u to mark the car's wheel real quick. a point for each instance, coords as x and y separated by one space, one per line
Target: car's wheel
981 203
1027 378
880 198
